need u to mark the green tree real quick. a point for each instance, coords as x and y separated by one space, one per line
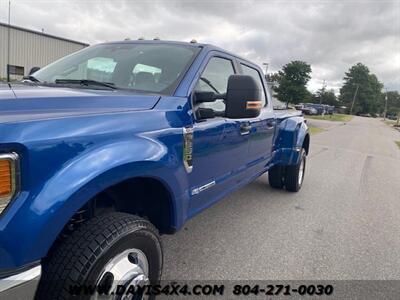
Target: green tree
369 90
292 81
272 77
325 96
393 103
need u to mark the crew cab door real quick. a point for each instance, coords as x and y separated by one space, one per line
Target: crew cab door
219 146
262 128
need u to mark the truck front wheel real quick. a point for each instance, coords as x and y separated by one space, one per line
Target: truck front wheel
106 252
294 175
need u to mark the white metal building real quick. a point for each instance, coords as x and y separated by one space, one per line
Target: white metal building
29 48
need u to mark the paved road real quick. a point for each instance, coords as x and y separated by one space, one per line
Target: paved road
343 224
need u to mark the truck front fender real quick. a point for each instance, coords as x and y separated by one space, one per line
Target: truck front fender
79 180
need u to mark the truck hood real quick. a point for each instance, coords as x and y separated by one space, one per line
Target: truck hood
21 102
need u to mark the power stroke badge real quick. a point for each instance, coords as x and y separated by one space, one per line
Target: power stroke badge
188 148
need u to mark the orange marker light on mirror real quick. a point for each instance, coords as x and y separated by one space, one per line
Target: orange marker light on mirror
253 105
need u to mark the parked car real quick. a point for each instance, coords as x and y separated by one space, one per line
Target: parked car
321 109
329 109
309 110
299 106
366 115
91 172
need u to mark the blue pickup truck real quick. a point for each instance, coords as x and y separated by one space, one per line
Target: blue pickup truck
105 149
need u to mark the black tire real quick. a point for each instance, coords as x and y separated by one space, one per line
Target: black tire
78 259
276 177
293 182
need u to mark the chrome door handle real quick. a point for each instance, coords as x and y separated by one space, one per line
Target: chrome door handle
245 128
270 124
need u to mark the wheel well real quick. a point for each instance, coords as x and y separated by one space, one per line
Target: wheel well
142 196
306 143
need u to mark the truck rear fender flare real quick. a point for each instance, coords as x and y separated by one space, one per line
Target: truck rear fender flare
292 135
303 137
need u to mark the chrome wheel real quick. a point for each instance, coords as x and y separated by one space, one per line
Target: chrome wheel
301 170
129 268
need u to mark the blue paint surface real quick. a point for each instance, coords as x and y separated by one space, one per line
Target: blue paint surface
74 143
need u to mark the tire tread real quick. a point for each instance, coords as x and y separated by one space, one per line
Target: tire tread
275 177
292 176
72 259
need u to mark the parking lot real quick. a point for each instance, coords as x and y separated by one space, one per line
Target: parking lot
343 224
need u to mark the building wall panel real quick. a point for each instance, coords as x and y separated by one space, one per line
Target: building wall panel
29 49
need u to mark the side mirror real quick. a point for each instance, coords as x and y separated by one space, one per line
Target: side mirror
200 97
205 113
33 70
243 97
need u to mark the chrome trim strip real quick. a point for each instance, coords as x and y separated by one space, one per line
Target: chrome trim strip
21 278
203 188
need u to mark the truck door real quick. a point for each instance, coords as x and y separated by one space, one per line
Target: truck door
262 127
219 148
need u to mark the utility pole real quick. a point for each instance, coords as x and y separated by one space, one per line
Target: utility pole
8 42
266 68
323 90
354 98
385 111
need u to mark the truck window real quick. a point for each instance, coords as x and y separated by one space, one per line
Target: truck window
153 68
101 68
215 79
145 77
256 75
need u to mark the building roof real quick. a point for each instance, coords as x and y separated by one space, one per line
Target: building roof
42 34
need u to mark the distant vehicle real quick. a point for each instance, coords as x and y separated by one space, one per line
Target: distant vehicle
307 110
367 115
298 106
321 109
313 109
280 107
329 109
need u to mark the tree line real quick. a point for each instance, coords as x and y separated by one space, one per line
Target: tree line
361 93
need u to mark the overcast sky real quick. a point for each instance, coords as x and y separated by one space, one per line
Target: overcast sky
330 35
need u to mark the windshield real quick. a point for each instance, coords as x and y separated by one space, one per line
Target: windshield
155 68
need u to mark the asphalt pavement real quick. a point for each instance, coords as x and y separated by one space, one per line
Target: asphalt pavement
343 224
